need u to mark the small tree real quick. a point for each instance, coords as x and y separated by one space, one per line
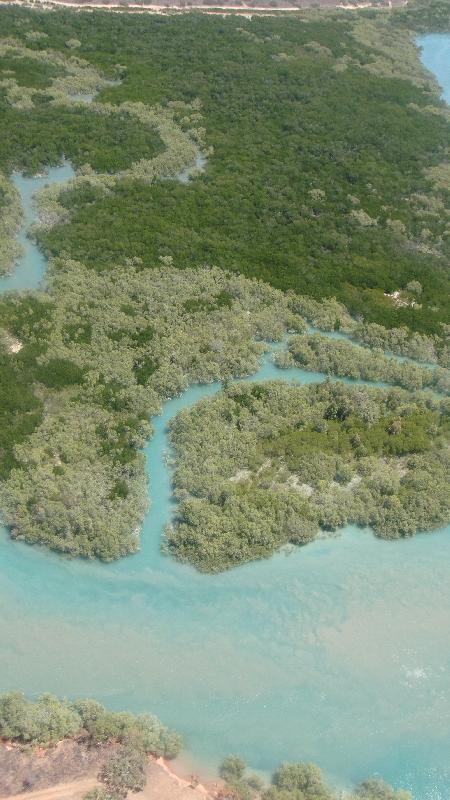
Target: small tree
124 772
232 768
415 287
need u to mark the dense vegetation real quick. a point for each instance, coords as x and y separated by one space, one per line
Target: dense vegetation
263 465
425 16
340 357
318 180
10 220
324 169
103 351
48 720
107 143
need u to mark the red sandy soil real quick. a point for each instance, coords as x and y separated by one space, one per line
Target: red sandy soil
68 770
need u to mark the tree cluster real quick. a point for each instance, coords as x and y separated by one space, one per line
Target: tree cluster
264 465
341 357
49 719
330 127
297 781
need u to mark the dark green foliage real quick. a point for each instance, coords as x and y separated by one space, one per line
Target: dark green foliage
111 397
58 373
223 300
107 143
20 410
26 315
390 435
282 128
116 443
28 72
144 369
143 336
120 489
81 334
301 148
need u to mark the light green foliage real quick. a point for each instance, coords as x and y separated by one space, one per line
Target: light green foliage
401 342
10 221
391 53
112 348
263 465
49 719
340 357
298 782
75 462
327 315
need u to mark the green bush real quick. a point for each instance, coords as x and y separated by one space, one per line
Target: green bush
260 466
48 719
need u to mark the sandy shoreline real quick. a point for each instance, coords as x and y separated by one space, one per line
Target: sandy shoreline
243 9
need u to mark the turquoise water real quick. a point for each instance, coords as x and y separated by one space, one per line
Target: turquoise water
436 57
336 653
31 268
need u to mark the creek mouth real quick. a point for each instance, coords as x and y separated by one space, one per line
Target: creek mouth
336 653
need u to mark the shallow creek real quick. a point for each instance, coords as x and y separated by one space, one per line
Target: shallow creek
336 653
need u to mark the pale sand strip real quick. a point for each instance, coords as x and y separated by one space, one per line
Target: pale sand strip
154 8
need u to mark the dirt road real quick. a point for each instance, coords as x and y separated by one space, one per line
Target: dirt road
161 785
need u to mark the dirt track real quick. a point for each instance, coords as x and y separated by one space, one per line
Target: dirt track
62 791
162 784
